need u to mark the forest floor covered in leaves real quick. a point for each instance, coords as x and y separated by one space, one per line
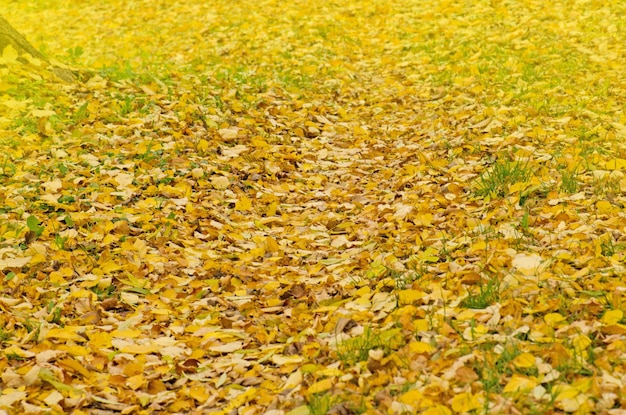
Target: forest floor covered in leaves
306 208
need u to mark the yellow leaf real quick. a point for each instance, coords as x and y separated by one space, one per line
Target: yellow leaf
271 209
203 146
519 383
271 244
477 246
184 406
402 211
15 350
43 113
9 55
300 410
110 266
53 398
227 348
527 264
420 347
135 382
280 360
524 360
64 334
73 365
581 342
409 296
48 376
229 134
199 393
411 397
423 219
321 386
13 262
421 324
10 301
583 385
140 348
295 379
552 319
437 410
516 187
220 182
74 350
58 277
236 107
330 371
240 400
244 204
13 104
604 207
100 340
38 258
612 317
565 392
11 396
125 334
124 179
465 402
573 405
109 239
615 164
429 255
472 333
271 302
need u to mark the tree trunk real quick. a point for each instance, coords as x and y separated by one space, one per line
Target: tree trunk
10 36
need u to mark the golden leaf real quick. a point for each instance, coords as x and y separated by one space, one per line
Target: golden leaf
612 317
519 384
524 360
320 386
409 296
227 348
9 55
243 204
464 402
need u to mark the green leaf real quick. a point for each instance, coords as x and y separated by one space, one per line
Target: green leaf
33 224
47 376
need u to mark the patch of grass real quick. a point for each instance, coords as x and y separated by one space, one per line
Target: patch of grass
606 186
14 357
118 72
404 279
502 175
486 295
4 335
103 293
525 222
609 247
494 362
509 352
54 313
73 54
569 181
488 375
7 169
320 404
356 349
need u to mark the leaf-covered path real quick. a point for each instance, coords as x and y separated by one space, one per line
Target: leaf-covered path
299 208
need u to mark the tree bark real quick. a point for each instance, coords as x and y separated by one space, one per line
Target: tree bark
10 36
